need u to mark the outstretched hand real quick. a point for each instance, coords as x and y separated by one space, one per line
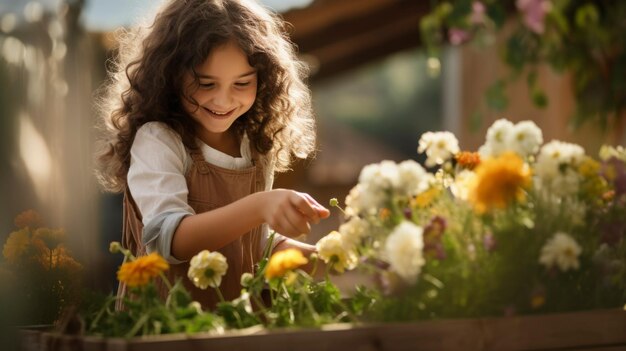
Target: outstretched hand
291 213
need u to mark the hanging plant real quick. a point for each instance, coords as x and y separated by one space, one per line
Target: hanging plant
584 38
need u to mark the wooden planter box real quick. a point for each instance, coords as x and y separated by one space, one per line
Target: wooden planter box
590 330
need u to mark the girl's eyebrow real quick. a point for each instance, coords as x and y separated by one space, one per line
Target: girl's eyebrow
206 76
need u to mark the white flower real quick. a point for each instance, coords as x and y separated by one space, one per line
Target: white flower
404 251
412 178
439 147
379 176
361 201
332 249
207 268
353 231
526 138
461 185
607 151
498 138
556 167
562 250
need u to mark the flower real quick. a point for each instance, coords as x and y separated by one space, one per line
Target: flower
458 36
334 251
353 231
115 247
526 138
498 182
561 250
140 271
439 147
28 218
534 12
556 167
41 265
207 269
498 139
556 33
403 251
378 180
467 159
16 245
283 261
462 183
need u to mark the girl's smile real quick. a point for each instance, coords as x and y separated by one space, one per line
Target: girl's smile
219 115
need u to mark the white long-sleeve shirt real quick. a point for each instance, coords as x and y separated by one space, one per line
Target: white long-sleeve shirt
156 180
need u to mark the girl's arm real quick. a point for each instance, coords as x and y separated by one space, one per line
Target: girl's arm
286 211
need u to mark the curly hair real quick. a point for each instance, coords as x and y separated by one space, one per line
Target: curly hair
146 82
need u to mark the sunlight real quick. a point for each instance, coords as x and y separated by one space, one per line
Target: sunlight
35 154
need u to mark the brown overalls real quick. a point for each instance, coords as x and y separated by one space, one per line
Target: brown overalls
210 187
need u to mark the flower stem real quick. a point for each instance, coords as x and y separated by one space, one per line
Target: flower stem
218 291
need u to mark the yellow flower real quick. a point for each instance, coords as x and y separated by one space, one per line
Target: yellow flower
207 268
498 182
593 185
426 198
16 245
29 218
284 261
141 270
332 249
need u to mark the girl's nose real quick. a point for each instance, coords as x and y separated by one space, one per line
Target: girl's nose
222 98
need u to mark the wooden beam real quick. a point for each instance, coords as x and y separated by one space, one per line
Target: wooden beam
325 13
363 37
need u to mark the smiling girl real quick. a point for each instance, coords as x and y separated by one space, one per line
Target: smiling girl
202 108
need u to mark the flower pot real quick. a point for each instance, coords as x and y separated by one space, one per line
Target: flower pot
585 330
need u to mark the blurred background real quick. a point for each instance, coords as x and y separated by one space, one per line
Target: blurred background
374 89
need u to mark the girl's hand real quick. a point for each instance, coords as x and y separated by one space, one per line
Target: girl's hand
290 212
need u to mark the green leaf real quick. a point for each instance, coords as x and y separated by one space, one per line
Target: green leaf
587 16
497 14
539 97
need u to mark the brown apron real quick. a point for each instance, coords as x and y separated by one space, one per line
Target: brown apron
210 187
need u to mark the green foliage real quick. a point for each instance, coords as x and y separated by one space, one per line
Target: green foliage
584 38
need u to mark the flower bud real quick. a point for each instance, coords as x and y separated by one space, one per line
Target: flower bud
246 279
333 202
115 247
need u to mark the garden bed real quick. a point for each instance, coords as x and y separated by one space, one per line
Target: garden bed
588 330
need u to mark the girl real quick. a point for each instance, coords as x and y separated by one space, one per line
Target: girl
203 107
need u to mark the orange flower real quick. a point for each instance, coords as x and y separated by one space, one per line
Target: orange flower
498 182
384 214
468 159
284 261
141 270
16 245
29 218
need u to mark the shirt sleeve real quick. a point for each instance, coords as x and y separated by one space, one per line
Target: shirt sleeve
156 180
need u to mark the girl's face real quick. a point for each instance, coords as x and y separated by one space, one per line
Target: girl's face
227 89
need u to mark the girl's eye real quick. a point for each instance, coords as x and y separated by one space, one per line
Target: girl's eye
242 84
206 85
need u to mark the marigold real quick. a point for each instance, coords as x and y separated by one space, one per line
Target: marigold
499 181
468 159
284 261
140 271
